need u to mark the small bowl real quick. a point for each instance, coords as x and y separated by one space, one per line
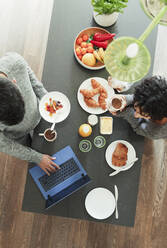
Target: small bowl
90 31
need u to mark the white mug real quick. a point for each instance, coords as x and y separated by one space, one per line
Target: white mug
116 100
48 132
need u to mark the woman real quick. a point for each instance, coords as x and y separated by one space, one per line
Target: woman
146 109
19 113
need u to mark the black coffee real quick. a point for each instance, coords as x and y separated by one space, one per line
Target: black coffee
116 103
50 134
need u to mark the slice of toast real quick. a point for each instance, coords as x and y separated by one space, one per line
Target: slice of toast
120 155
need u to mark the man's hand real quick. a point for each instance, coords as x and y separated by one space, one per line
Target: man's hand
48 165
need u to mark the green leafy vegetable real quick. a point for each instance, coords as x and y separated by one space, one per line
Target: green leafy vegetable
109 6
90 38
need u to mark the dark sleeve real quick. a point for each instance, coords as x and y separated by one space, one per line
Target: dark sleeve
144 128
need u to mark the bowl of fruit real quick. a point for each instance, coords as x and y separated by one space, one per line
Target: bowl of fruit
90 45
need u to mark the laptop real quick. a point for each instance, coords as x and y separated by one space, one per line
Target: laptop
69 178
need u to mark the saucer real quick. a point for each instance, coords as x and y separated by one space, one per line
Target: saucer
99 141
85 146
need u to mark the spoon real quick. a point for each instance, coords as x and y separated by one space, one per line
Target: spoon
53 126
119 170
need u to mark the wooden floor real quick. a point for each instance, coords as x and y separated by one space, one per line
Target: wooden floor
24 26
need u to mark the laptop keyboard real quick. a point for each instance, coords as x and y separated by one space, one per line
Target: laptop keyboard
66 170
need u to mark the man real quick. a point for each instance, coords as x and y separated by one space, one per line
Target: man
146 110
19 94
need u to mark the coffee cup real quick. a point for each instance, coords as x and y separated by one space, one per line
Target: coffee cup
49 135
117 102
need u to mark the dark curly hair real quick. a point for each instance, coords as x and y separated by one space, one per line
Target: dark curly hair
151 97
12 107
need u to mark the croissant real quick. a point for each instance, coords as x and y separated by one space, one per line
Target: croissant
97 89
95 84
91 102
102 102
89 93
103 92
119 156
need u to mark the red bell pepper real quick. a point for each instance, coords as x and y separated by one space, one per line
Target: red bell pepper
103 37
102 44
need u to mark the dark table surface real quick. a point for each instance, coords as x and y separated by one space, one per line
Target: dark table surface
63 73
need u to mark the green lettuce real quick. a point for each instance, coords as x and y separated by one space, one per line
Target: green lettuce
109 6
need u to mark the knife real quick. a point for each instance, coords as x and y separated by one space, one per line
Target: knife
120 169
116 200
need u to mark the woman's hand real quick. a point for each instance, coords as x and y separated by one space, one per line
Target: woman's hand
113 113
118 85
48 165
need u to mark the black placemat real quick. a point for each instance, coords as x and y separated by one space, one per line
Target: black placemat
63 73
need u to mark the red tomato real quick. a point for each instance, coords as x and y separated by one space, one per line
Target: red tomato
79 40
83 51
78 50
85 37
80 57
90 49
84 44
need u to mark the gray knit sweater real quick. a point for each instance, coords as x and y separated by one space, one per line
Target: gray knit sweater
141 126
15 67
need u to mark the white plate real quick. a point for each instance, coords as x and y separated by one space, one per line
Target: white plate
61 114
87 85
131 155
100 203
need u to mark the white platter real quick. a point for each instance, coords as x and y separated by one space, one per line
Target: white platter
87 85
